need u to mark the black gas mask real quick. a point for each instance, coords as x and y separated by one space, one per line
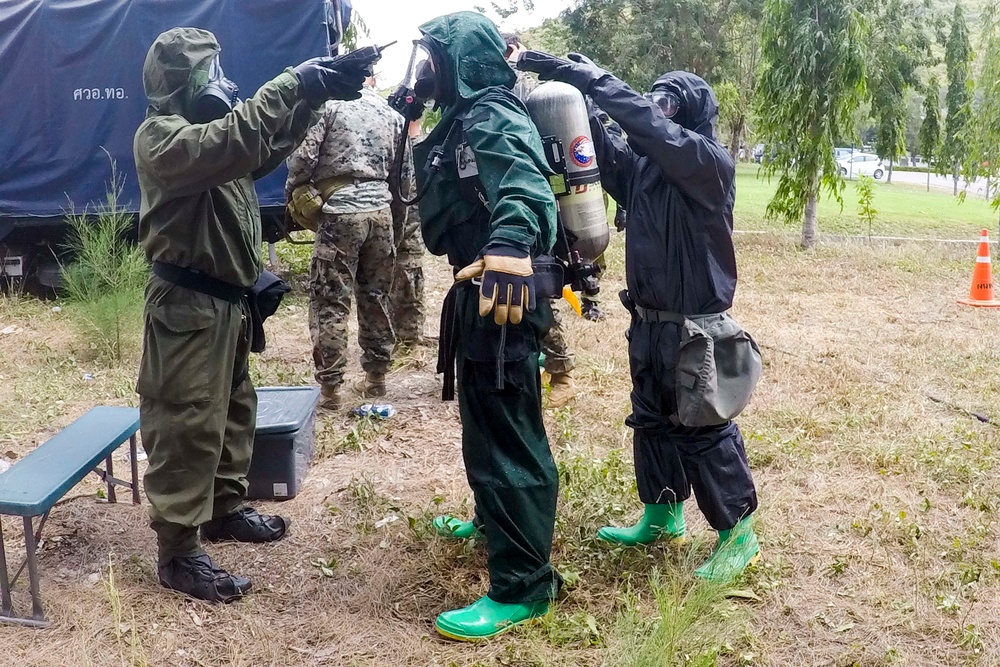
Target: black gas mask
671 102
215 98
419 87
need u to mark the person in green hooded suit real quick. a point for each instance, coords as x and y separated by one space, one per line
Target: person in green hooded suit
197 155
486 204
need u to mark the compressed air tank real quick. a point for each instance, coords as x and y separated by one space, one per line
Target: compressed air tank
559 112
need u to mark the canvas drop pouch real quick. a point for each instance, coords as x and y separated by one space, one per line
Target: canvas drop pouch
718 366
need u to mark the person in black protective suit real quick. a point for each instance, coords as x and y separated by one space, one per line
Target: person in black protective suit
678 184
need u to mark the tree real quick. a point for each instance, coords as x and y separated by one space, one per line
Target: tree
982 136
741 69
812 83
732 115
958 56
639 40
552 36
929 138
507 9
897 34
914 101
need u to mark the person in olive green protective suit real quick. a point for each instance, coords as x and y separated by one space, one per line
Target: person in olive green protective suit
197 156
490 210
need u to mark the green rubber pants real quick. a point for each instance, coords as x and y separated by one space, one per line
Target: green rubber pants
507 457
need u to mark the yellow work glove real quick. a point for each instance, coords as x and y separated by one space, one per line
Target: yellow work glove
507 288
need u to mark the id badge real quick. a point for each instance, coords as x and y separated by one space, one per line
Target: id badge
465 158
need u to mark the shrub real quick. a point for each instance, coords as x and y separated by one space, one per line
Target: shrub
104 282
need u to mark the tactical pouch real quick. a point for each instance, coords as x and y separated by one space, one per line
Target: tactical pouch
264 298
548 277
305 205
718 366
307 200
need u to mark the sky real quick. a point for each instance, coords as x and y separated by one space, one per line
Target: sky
389 20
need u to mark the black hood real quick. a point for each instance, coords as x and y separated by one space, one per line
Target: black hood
700 108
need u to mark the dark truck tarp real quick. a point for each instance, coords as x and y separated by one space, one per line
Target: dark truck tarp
71 92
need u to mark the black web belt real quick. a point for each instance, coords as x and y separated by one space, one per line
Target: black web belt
651 315
199 282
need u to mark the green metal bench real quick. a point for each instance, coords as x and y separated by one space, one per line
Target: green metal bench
37 482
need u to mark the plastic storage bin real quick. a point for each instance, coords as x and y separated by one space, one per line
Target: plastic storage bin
284 441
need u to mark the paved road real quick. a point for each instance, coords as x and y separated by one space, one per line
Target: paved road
938 183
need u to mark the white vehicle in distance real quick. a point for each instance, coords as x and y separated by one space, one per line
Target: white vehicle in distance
861 164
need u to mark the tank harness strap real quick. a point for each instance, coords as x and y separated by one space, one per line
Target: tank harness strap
448 341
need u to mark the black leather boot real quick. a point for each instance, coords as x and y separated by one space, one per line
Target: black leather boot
200 577
245 525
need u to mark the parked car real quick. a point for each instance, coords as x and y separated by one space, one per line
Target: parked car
862 164
841 153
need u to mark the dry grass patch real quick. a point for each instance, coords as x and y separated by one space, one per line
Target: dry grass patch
877 515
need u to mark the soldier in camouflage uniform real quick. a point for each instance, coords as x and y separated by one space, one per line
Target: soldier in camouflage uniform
407 296
351 150
408 313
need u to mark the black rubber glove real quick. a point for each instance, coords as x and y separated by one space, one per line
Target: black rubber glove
508 285
579 70
322 81
620 219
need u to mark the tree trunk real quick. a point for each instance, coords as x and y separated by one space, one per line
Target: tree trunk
928 178
954 178
737 137
888 178
809 220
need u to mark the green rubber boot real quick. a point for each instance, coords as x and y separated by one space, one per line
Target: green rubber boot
486 618
657 521
736 549
451 528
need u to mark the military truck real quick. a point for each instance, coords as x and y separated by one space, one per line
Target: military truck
72 94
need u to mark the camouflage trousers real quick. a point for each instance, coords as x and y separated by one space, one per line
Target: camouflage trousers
559 358
407 295
353 254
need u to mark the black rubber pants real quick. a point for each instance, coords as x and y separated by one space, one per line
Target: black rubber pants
670 459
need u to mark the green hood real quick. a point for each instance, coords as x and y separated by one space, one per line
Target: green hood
176 64
473 51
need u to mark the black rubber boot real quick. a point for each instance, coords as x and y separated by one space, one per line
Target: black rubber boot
591 311
245 525
200 577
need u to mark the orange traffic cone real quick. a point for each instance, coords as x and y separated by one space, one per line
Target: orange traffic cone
981 292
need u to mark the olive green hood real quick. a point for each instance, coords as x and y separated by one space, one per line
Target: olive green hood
473 53
176 65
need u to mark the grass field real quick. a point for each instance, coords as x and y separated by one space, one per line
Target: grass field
878 490
903 210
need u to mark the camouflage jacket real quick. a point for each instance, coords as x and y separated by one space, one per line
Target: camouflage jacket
524 85
358 140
